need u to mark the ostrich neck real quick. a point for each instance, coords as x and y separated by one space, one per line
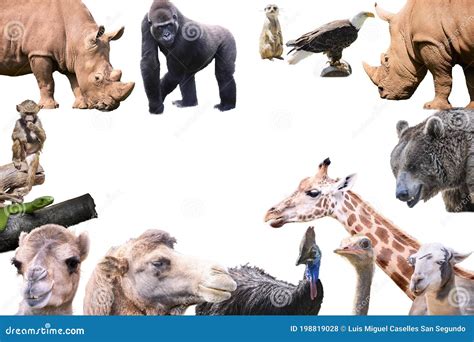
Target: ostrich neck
392 246
365 275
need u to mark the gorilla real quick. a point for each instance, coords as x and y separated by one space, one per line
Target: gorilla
189 47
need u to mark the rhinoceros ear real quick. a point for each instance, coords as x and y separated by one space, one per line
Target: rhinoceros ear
401 127
115 35
434 127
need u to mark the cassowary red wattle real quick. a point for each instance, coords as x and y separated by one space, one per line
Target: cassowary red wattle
312 275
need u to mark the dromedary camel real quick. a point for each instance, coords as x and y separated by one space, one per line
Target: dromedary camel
145 276
49 259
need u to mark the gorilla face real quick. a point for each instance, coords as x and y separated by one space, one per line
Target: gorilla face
165 33
164 23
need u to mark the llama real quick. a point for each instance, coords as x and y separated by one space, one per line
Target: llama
433 278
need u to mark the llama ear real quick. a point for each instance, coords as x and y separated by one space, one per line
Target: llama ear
346 183
23 235
401 127
83 243
459 257
434 127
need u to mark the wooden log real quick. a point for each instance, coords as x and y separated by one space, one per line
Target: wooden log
68 213
11 179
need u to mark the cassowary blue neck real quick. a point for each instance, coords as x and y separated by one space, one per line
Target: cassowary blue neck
312 275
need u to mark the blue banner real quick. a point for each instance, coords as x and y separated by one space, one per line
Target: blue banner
229 329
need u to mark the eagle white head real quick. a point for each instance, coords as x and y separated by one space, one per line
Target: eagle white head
359 19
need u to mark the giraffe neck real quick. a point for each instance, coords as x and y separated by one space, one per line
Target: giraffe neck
392 246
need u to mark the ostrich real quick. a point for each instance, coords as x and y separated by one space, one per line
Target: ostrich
258 293
358 251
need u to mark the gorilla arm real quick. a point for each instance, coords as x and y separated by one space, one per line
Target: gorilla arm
150 68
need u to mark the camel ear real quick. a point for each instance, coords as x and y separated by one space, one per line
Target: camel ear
114 266
435 127
346 183
401 127
460 257
21 240
83 243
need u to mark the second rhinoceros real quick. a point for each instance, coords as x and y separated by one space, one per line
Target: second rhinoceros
42 37
426 35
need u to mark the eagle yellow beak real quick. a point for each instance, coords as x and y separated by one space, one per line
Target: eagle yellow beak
370 15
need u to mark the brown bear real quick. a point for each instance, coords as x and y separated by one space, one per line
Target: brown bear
436 156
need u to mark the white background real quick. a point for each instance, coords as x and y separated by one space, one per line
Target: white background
209 177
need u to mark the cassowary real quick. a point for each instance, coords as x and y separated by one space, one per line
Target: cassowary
258 293
331 39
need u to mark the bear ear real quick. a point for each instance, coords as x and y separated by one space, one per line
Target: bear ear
434 127
401 127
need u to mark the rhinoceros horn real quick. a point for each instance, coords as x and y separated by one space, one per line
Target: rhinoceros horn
383 14
372 73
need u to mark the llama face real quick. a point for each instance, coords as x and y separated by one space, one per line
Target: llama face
315 197
433 267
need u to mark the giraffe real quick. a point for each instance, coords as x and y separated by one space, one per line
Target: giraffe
321 196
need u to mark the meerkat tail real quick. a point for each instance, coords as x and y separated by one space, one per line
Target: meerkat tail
298 56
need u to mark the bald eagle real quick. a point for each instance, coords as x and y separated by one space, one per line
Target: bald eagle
330 39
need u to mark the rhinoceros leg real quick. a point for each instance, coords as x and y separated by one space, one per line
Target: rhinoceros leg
42 68
440 67
469 73
80 102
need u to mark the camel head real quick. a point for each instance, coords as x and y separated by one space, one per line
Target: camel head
49 260
315 197
156 277
433 267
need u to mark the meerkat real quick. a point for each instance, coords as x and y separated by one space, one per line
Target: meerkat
28 140
271 39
